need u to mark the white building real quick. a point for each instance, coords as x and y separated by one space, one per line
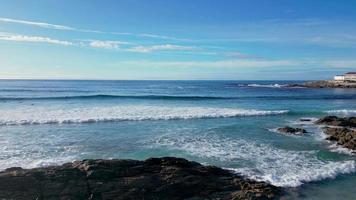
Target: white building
339 78
350 76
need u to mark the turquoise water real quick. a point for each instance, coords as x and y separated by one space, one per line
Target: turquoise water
226 123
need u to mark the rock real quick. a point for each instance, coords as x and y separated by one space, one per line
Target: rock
305 120
343 136
325 84
337 121
291 130
155 178
343 131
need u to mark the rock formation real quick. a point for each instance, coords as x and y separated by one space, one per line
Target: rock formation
291 130
326 84
343 136
342 131
155 178
337 121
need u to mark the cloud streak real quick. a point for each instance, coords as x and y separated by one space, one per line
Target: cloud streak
36 39
38 24
69 28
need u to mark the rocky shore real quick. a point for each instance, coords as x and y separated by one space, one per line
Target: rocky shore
326 84
155 178
341 130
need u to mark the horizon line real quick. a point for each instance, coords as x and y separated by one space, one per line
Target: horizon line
79 79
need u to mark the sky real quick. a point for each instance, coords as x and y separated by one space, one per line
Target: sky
177 39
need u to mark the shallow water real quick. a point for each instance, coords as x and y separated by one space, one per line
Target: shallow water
225 123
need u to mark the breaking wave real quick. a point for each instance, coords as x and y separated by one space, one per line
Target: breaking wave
47 115
344 112
267 85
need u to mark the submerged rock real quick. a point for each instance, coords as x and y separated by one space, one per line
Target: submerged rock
337 121
291 130
155 178
305 119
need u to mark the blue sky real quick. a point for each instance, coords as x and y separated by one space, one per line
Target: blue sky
177 39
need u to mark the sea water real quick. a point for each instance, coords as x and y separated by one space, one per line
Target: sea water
225 123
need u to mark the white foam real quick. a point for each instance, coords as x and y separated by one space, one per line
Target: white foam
334 147
275 130
46 115
267 85
344 112
260 162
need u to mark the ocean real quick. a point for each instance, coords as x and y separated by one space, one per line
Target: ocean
225 123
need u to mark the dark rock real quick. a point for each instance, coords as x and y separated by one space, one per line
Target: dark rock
154 178
329 84
343 136
326 84
337 121
291 130
305 120
342 131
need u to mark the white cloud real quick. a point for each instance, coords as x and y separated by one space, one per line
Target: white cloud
69 28
26 38
162 37
106 44
165 47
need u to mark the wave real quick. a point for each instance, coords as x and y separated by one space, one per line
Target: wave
47 115
256 85
344 112
261 162
172 97
45 90
267 85
104 96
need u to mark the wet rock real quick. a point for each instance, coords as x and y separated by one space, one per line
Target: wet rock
343 136
155 178
305 120
342 130
337 121
291 130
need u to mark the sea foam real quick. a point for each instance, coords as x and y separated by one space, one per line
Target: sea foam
262 162
267 85
48 115
344 112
